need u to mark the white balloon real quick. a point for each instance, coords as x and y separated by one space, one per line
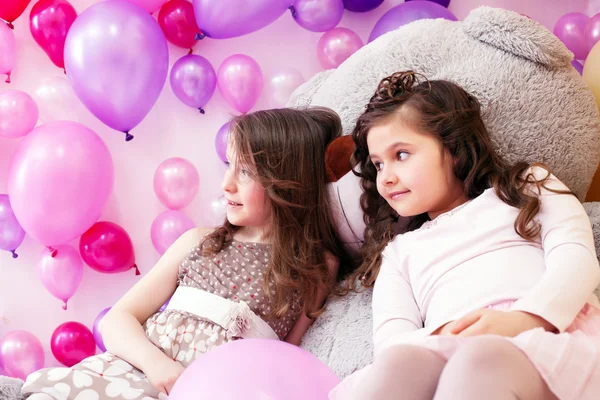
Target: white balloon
280 85
218 212
56 100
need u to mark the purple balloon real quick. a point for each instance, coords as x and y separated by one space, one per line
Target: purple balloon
21 353
405 13
96 329
318 16
164 306
570 29
336 45
116 58
167 227
221 141
255 369
220 19
578 66
592 31
443 3
193 80
60 271
240 81
361 6
59 179
11 233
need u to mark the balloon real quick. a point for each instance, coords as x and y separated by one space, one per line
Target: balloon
240 81
443 3
221 141
72 342
59 179
592 31
49 23
570 29
149 5
405 13
107 248
361 6
21 354
12 9
218 209
18 114
578 66
56 100
193 80
318 15
336 45
220 19
281 85
11 233
8 50
178 23
164 306
61 270
176 182
117 59
167 227
96 329
591 72
255 369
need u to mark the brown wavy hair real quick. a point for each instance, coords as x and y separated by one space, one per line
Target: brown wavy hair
285 149
445 111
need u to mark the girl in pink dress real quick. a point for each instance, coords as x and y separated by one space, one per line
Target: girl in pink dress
483 272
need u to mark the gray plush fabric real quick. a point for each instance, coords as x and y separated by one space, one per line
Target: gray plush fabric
10 388
536 107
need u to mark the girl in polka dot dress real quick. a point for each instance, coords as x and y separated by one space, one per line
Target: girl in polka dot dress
265 273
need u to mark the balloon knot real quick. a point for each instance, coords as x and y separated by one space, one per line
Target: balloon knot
64 307
201 110
293 10
137 270
128 136
199 36
190 52
14 255
65 70
10 25
53 252
7 78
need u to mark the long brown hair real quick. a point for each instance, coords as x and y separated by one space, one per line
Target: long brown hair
286 150
445 111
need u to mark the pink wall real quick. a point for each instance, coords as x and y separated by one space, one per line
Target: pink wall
171 129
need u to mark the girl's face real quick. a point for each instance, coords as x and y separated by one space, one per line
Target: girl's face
247 203
414 171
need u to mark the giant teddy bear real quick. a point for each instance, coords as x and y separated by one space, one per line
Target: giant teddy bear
536 107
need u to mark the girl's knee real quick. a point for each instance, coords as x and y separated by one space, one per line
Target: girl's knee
404 356
484 354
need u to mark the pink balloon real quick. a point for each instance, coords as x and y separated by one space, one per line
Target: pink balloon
592 31
336 45
59 179
49 23
177 21
107 248
21 354
149 5
256 369
18 113
72 342
570 28
240 81
8 50
167 227
176 182
281 84
61 270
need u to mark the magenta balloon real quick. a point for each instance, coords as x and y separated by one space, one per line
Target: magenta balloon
219 19
167 227
176 182
11 233
240 81
221 141
592 31
59 179
336 45
318 15
106 247
21 354
117 60
193 80
405 13
570 29
96 329
178 22
256 369
8 51
72 342
60 270
18 114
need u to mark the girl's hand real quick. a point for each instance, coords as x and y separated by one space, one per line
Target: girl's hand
493 322
162 373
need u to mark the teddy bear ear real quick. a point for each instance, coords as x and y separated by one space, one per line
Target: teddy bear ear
337 158
517 34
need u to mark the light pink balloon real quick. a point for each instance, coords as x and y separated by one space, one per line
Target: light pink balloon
281 84
240 81
167 228
8 50
149 5
336 45
176 182
59 179
18 114
60 270
21 353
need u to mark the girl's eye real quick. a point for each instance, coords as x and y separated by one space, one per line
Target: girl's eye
377 165
244 172
402 155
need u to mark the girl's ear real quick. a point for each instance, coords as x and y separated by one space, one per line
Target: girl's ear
337 158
